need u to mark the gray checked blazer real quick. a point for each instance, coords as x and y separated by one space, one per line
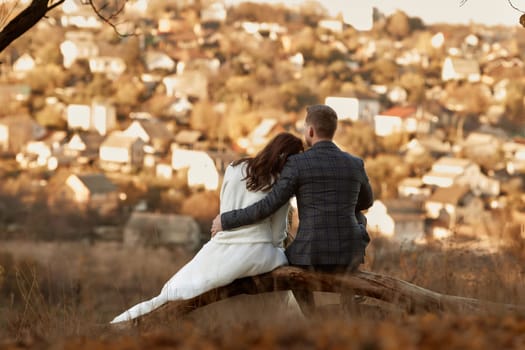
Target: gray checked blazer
331 186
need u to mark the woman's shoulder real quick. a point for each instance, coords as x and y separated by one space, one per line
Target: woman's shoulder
237 165
236 168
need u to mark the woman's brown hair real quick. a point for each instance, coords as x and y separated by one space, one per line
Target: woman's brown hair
263 169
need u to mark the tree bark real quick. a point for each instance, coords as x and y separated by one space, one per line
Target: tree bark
405 295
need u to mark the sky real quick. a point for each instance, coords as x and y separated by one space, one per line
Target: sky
489 12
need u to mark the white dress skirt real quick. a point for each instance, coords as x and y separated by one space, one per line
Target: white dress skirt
229 255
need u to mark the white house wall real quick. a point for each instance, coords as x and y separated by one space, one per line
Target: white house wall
433 209
4 137
40 148
438 179
80 21
164 171
378 219
103 118
387 125
447 168
201 168
204 175
520 155
474 78
411 191
334 26
214 12
79 117
112 66
471 177
448 72
81 193
76 144
136 130
114 154
489 186
347 108
410 125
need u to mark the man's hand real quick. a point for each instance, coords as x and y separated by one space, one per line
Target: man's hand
216 226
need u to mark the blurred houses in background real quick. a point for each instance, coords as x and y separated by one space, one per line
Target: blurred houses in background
156 229
16 131
89 192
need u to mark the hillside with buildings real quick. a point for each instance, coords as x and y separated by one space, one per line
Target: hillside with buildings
98 125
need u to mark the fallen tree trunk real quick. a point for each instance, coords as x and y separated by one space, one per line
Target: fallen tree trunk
405 295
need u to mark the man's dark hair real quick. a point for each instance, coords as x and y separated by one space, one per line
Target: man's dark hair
324 120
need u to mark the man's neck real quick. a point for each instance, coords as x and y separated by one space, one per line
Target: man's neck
320 140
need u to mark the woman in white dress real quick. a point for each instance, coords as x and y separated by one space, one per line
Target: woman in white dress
246 251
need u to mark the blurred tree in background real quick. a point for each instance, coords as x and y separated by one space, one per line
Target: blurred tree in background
203 214
51 116
514 107
128 94
99 86
205 119
383 71
43 80
296 96
398 25
385 172
357 138
254 12
414 84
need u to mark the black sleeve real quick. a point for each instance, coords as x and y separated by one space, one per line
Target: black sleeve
366 196
283 189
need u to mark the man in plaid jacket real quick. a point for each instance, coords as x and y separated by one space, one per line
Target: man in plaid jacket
331 187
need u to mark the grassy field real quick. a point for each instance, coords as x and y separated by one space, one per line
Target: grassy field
62 295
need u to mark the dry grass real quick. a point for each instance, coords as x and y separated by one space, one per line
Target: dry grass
61 295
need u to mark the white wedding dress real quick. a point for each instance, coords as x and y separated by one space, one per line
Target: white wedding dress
229 255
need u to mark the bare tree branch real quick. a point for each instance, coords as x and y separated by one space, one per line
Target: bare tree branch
56 4
111 18
25 20
38 9
514 7
521 19
405 295
463 2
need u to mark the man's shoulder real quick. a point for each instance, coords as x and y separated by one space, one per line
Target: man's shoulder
352 157
299 158
335 151
345 159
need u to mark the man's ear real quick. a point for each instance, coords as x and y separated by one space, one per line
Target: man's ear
310 131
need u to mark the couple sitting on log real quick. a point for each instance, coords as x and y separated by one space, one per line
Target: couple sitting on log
331 188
